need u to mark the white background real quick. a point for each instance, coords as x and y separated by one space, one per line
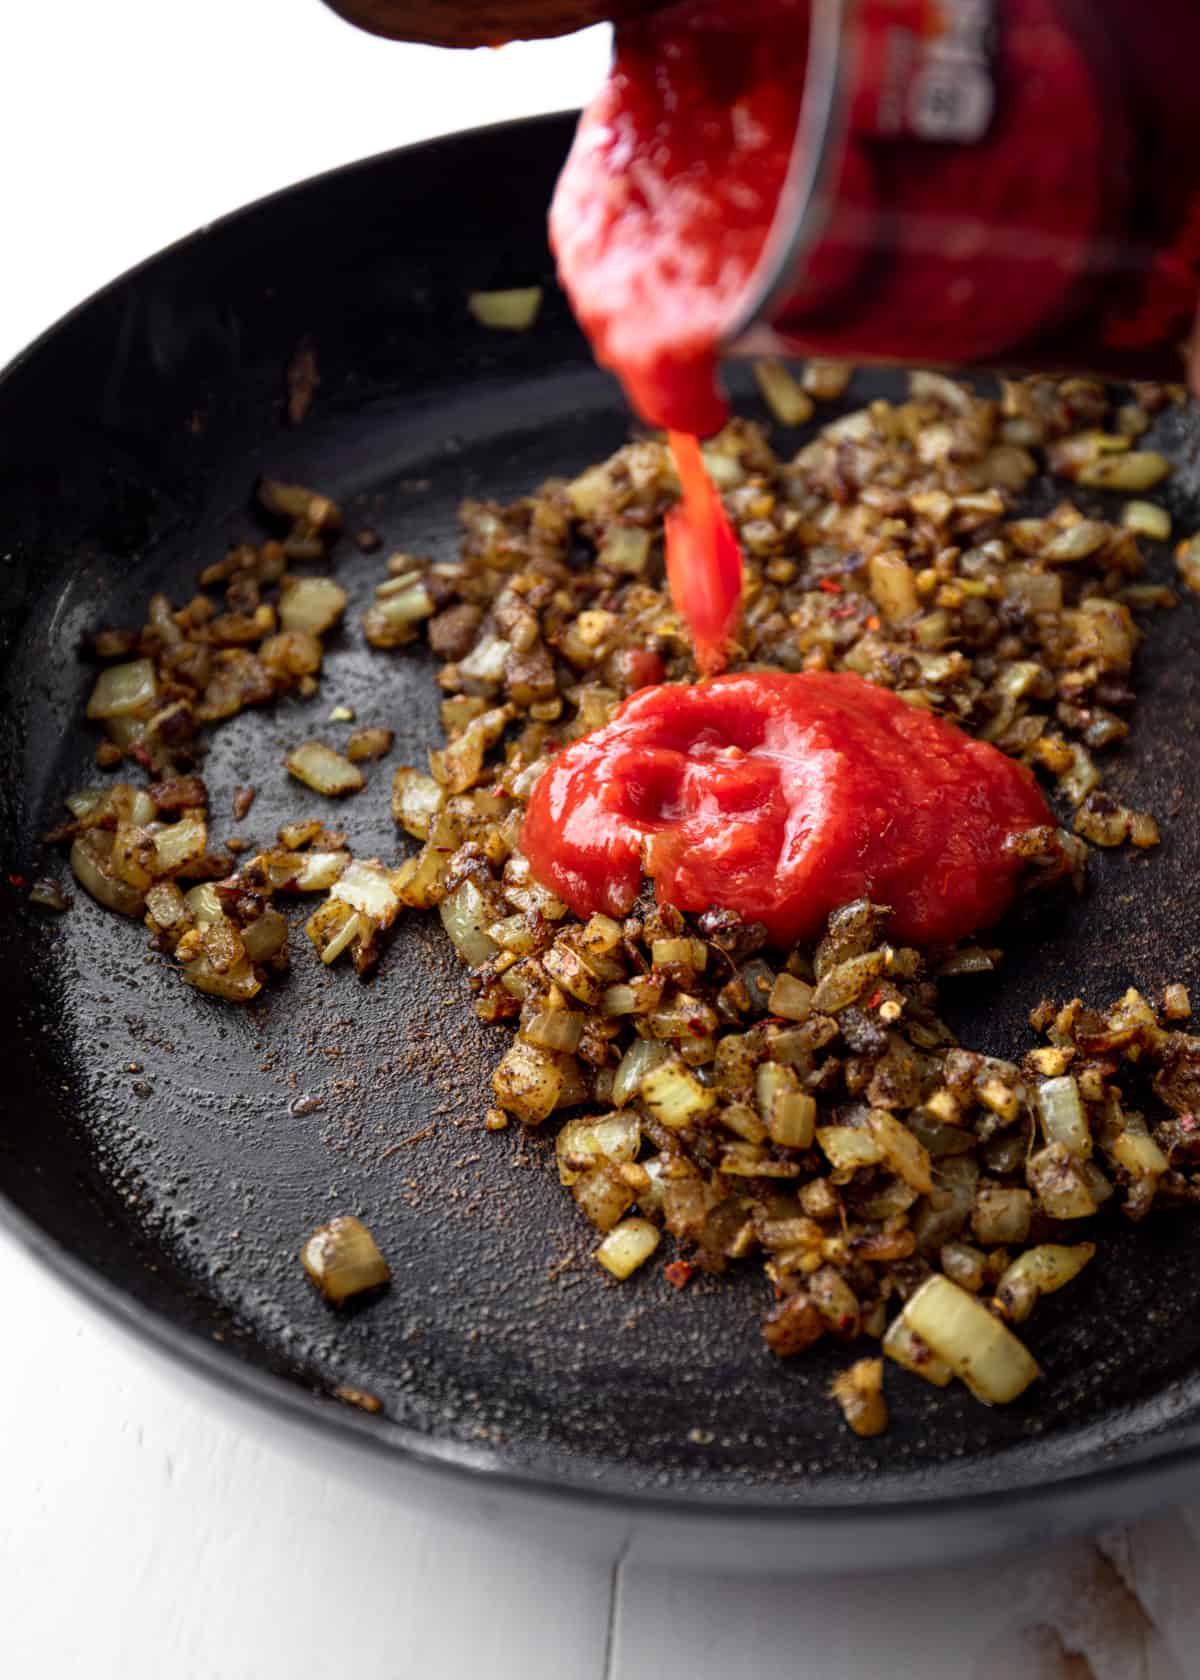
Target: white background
141 1533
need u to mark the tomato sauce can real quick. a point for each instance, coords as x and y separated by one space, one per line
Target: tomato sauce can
996 182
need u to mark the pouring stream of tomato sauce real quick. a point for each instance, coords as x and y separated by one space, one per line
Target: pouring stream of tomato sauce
704 562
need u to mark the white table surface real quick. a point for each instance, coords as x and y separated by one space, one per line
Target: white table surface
142 1533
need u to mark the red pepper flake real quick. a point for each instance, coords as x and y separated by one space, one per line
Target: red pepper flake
678 1273
831 586
874 998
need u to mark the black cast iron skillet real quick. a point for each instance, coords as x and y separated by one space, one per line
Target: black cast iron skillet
169 1153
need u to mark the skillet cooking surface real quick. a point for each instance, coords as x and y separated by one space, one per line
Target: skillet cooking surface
182 1148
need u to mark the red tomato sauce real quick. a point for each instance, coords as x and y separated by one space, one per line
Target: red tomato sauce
783 796
704 562
662 209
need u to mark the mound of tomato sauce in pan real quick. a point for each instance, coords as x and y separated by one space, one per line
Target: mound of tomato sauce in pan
783 796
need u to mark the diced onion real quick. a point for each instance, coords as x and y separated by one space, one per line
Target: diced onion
222 945
203 904
266 936
313 604
181 843
553 1029
725 471
624 548
859 1392
602 1196
87 803
511 310
416 801
589 492
297 502
352 926
1059 1182
672 953
1077 542
1138 1154
893 587
783 393
569 969
324 770
122 690
90 855
132 856
367 886
343 1259
1062 1115
459 766
965 1265
369 744
791 999
628 1246
514 934
846 982
1147 519
600 936
1040 591
165 905
528 1082
1001 1214
674 1096
619 1000
788 1112
465 915
747 1160
849 1147
826 380
583 1144
403 601
318 871
902 1344
643 1055
1039 1271
901 1150
741 1119
236 985
639 996
978 1348
486 660
1139 469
